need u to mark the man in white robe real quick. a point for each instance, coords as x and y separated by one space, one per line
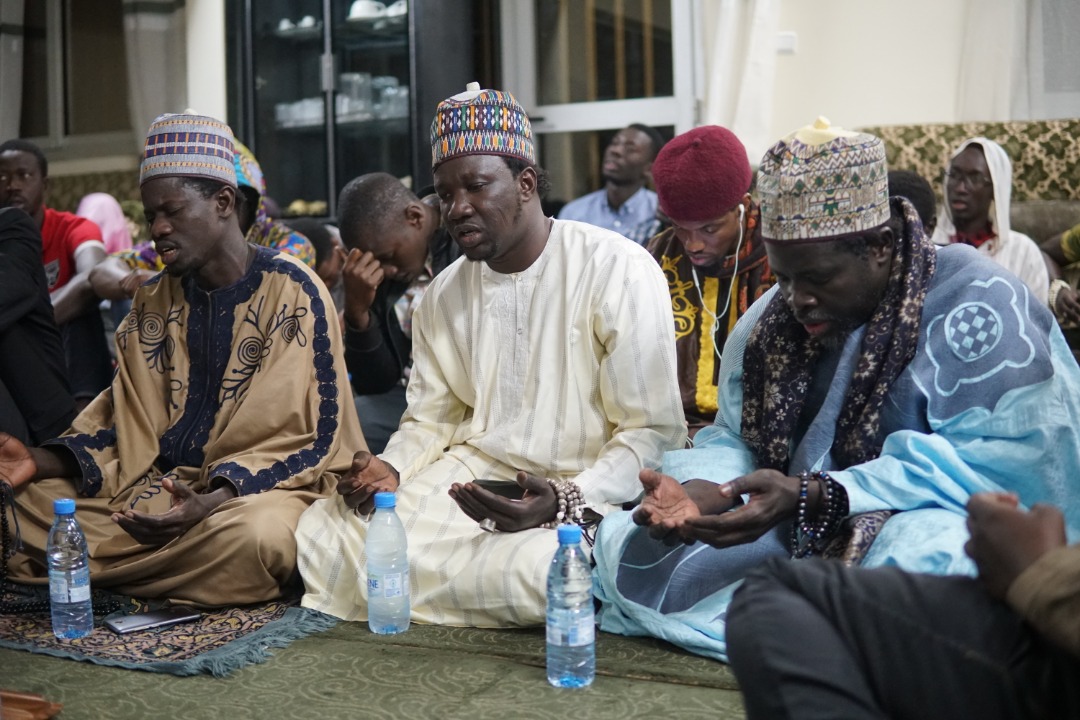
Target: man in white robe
546 356
978 189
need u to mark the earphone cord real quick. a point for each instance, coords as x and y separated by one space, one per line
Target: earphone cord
731 288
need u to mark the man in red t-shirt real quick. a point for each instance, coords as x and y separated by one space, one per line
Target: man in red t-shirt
70 248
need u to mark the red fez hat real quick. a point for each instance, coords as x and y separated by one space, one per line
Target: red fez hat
701 174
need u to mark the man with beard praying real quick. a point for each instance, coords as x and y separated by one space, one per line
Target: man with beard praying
881 374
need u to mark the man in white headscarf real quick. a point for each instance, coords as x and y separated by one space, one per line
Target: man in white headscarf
978 187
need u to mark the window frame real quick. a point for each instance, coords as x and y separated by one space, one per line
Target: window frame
58 146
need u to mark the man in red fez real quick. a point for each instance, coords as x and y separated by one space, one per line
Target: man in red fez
712 255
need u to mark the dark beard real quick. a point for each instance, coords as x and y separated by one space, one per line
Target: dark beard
835 340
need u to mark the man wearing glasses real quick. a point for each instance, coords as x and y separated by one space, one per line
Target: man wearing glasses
978 186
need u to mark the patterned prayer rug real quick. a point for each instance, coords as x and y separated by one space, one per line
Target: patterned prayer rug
219 643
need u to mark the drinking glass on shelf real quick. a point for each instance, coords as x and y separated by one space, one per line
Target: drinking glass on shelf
395 101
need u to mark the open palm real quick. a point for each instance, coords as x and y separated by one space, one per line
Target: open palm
665 502
17 466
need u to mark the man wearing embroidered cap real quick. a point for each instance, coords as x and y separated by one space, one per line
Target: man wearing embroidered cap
543 364
224 420
712 255
879 375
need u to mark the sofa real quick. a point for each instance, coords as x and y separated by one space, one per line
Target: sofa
1045 156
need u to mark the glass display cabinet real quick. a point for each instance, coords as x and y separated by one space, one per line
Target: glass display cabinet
325 90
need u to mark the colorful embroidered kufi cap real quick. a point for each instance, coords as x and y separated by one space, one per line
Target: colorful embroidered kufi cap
481 122
186 145
822 182
248 171
701 174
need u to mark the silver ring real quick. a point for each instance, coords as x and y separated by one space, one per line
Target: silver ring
487 525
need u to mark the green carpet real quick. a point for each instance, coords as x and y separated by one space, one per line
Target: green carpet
428 672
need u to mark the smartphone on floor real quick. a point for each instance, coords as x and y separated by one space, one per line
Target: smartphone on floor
125 624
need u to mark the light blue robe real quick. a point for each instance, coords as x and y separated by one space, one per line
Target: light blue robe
991 402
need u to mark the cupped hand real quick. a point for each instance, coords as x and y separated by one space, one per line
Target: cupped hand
367 475
17 465
538 506
188 509
664 507
1006 540
773 498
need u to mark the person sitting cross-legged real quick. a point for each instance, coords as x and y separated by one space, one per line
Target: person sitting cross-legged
543 363
881 374
225 418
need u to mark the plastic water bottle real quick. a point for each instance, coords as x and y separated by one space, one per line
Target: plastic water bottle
571 628
69 574
387 569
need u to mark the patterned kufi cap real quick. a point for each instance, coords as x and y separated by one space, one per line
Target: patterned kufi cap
481 122
185 145
248 171
822 182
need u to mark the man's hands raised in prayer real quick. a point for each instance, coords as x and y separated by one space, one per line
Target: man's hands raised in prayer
666 504
188 509
538 506
699 509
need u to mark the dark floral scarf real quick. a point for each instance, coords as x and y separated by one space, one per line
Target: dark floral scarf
780 356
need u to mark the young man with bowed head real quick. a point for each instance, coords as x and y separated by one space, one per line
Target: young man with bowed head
543 364
225 419
396 245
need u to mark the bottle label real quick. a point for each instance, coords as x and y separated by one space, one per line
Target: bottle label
388 585
69 587
571 631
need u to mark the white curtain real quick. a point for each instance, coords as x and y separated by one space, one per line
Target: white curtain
740 42
11 67
1019 61
155 39
996 71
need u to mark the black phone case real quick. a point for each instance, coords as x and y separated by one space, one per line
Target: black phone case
510 490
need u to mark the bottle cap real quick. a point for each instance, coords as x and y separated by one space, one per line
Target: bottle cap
385 500
569 534
63 506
